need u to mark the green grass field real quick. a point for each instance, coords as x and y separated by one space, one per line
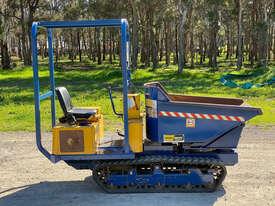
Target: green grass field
87 85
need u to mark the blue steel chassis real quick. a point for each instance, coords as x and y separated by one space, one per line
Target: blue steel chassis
124 152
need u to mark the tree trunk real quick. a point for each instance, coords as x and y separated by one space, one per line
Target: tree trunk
5 56
98 44
154 49
147 41
110 47
228 42
167 41
263 35
153 39
29 47
273 44
182 19
84 42
160 46
204 51
56 43
104 44
19 48
134 34
213 33
90 52
254 41
201 48
61 44
114 47
94 46
26 60
31 7
143 43
240 38
192 49
71 47
176 53
79 46
269 47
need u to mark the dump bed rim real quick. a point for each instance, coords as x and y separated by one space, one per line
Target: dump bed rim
208 97
244 107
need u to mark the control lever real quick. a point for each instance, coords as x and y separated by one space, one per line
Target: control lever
112 102
119 133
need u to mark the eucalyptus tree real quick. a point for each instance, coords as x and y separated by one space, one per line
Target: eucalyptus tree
183 7
213 9
239 5
5 22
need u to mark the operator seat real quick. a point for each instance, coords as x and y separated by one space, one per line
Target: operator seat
71 112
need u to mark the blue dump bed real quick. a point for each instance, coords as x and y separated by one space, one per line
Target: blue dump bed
197 122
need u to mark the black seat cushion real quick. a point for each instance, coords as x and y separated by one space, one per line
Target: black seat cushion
64 99
68 108
82 112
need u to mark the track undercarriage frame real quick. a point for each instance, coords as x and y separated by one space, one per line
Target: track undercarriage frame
160 174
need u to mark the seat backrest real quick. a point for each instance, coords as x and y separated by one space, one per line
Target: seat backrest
64 99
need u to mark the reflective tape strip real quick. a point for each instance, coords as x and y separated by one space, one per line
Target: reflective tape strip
202 116
164 113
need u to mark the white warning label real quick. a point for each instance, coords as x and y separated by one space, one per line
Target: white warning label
151 108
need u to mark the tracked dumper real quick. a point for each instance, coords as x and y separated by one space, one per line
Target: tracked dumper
180 144
189 142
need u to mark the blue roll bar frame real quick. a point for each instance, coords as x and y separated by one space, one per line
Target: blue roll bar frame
125 153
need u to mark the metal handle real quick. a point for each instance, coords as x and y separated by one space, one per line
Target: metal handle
112 102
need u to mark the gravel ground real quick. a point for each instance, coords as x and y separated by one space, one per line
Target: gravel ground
27 178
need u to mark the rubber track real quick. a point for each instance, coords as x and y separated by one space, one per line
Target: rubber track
195 162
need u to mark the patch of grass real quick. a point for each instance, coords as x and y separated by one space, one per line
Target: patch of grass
88 84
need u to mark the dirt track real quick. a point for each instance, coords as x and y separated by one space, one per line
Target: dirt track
27 178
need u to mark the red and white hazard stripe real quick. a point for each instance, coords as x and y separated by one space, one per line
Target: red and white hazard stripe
202 116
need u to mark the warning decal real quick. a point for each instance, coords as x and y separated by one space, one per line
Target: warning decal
191 123
173 138
151 108
169 137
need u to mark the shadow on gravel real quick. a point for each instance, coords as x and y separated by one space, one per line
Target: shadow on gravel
84 193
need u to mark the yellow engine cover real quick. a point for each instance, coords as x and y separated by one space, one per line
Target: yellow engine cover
69 139
136 134
135 123
134 106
